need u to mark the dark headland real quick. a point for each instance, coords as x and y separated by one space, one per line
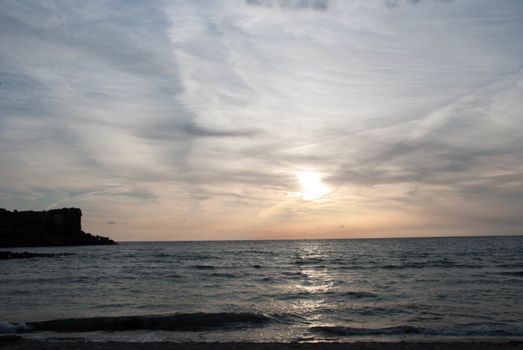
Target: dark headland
56 227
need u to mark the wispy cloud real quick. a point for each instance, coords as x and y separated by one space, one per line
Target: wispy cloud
394 3
319 5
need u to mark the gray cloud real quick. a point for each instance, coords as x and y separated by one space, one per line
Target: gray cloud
169 129
318 5
394 3
196 130
138 194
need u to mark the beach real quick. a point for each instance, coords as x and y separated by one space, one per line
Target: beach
19 343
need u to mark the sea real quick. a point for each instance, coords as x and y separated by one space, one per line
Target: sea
269 291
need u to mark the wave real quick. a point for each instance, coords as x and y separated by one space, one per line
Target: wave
513 273
353 331
359 295
347 294
379 311
410 330
266 252
429 264
194 322
511 265
294 274
310 261
203 267
162 255
224 274
7 328
267 279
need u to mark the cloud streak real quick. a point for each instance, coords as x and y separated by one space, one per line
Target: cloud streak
317 5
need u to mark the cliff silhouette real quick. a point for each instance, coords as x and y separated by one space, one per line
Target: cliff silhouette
56 227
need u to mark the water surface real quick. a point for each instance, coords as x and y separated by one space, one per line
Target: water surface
311 290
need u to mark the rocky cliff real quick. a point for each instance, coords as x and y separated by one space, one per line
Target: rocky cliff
55 227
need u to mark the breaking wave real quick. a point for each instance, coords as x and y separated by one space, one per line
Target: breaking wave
178 322
352 331
410 330
7 328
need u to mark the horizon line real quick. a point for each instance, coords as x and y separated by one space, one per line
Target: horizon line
323 239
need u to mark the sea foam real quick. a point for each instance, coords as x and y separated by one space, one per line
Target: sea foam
9 328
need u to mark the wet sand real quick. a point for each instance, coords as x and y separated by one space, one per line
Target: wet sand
19 343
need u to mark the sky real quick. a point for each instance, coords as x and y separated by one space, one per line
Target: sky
265 119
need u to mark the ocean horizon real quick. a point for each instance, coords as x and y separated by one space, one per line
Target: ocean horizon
316 239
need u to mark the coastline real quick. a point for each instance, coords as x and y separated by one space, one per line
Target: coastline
20 343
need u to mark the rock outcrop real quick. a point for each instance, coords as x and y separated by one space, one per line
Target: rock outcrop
56 227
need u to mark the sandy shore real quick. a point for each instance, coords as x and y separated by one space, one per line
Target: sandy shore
18 343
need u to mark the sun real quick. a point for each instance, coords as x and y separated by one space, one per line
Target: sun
311 185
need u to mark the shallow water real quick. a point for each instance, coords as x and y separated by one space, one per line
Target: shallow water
313 290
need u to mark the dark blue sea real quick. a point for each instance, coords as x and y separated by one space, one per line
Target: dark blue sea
290 291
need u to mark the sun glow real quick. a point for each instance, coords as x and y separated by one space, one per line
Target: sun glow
311 185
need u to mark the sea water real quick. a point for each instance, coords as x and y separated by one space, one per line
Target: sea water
309 290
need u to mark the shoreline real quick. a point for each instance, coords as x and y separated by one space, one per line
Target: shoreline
14 342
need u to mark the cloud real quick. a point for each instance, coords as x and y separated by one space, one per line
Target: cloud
394 3
461 140
184 109
317 5
197 130
167 130
138 194
458 162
